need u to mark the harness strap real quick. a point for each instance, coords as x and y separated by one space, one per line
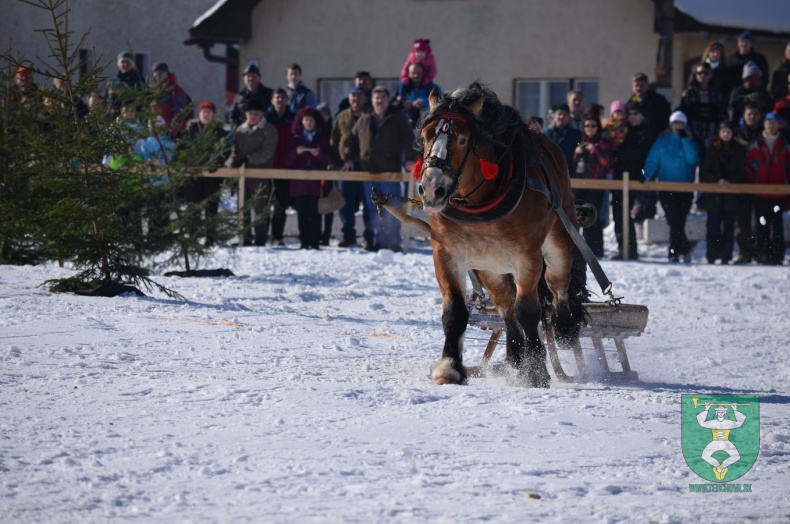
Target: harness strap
589 257
578 239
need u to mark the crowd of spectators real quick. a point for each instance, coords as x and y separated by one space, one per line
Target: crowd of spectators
730 127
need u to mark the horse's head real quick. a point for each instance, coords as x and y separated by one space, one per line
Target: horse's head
447 141
462 126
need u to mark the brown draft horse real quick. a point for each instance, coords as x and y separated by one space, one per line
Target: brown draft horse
491 186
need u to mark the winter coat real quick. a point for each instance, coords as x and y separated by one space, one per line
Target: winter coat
172 102
768 167
306 160
779 80
300 96
632 153
746 135
567 138
255 144
656 109
193 130
705 110
720 80
119 88
341 131
283 125
263 95
409 93
672 158
723 161
428 63
379 147
596 164
617 129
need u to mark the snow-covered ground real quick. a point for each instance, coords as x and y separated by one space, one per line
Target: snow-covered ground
298 391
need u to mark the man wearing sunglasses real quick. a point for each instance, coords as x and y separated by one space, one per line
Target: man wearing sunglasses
703 106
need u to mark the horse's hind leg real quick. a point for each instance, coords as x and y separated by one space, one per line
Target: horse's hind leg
567 313
502 290
455 316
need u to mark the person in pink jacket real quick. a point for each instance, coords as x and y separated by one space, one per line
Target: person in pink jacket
421 53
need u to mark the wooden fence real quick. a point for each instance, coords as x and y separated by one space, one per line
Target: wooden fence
626 186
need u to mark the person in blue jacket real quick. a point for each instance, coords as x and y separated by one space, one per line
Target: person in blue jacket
674 158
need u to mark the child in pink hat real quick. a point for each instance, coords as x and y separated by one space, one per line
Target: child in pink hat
616 125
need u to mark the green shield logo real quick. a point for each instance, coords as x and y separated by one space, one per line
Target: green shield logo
720 434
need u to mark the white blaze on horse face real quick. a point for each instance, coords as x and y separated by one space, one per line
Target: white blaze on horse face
439 149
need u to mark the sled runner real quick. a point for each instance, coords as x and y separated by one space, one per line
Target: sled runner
613 323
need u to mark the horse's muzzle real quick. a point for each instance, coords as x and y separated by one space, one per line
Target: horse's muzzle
434 190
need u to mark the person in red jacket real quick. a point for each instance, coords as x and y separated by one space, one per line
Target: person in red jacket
171 100
768 162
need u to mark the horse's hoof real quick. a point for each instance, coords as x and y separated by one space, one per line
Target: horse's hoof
444 372
535 378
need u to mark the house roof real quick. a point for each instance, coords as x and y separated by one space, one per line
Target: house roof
762 17
228 21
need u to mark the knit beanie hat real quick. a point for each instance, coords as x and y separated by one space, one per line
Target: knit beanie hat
617 105
207 104
125 55
746 35
678 116
749 69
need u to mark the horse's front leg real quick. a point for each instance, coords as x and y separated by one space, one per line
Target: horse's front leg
455 316
528 313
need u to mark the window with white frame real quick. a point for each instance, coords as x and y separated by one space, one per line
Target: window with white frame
536 97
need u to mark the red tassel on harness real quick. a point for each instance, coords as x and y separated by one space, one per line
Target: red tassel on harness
490 169
416 169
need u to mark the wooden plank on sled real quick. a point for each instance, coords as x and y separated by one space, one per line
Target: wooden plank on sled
612 322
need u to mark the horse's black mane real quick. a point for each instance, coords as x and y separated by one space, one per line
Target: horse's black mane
495 124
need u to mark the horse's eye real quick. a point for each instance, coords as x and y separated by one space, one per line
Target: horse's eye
462 141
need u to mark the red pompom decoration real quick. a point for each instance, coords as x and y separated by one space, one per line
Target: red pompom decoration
416 169
490 169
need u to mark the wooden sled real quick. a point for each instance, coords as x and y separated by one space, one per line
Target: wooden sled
612 322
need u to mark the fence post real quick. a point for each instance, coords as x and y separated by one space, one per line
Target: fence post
240 203
626 216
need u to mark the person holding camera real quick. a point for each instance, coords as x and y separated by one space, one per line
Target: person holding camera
674 158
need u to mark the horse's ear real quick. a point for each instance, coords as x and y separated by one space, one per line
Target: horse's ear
477 106
433 98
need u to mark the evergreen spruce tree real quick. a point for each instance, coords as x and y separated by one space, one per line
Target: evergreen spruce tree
82 212
17 199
